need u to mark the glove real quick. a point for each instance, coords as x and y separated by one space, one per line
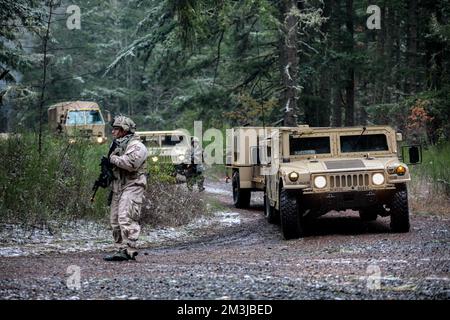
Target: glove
105 162
115 152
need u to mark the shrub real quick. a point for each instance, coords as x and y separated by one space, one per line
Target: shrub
54 185
431 180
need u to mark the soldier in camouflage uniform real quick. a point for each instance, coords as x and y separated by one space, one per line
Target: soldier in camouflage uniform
128 186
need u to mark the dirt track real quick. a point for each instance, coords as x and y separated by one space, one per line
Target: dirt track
342 258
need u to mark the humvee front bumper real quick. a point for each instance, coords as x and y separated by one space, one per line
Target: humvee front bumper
347 200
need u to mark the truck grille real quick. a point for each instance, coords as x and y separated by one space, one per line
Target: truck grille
349 180
86 132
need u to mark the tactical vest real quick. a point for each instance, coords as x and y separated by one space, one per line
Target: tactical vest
123 174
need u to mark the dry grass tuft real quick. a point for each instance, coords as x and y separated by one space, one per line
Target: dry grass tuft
428 197
171 205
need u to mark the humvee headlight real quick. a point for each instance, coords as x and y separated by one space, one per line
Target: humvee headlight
72 141
378 179
293 176
181 157
155 159
320 182
400 170
99 139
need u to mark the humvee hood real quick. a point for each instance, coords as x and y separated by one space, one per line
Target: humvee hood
341 165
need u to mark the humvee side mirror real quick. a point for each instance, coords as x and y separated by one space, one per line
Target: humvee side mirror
399 136
414 154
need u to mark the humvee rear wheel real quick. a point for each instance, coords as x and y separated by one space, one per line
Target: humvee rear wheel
241 197
399 210
291 222
270 213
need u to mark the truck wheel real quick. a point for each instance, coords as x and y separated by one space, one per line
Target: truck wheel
270 213
370 213
400 211
241 197
291 222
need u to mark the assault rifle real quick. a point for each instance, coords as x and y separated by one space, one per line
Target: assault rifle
106 174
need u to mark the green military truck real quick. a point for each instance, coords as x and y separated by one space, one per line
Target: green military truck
306 172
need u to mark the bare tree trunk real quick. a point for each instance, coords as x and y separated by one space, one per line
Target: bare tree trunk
397 58
388 79
44 76
326 74
411 83
381 51
434 53
289 61
336 119
337 108
350 85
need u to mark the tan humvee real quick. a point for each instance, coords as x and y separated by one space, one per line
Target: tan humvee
166 146
78 119
306 172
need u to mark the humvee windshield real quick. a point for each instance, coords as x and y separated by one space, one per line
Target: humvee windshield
83 117
308 145
151 142
364 143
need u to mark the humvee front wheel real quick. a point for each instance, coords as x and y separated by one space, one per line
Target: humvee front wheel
399 210
241 197
370 213
270 213
291 221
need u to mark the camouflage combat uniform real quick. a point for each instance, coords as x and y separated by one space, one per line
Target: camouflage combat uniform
128 186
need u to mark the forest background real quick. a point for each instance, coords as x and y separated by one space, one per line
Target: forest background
168 63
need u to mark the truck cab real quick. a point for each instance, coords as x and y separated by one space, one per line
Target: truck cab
78 119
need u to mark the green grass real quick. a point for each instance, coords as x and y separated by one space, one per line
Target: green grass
435 167
430 182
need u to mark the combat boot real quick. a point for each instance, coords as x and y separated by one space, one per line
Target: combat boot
200 186
133 255
118 256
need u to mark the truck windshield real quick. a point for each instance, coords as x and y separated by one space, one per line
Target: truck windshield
308 145
364 143
151 141
83 117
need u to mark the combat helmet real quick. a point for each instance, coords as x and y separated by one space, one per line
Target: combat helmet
125 123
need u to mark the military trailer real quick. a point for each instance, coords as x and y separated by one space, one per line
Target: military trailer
166 146
78 119
306 172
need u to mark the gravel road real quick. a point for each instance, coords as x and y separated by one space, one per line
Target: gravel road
342 258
